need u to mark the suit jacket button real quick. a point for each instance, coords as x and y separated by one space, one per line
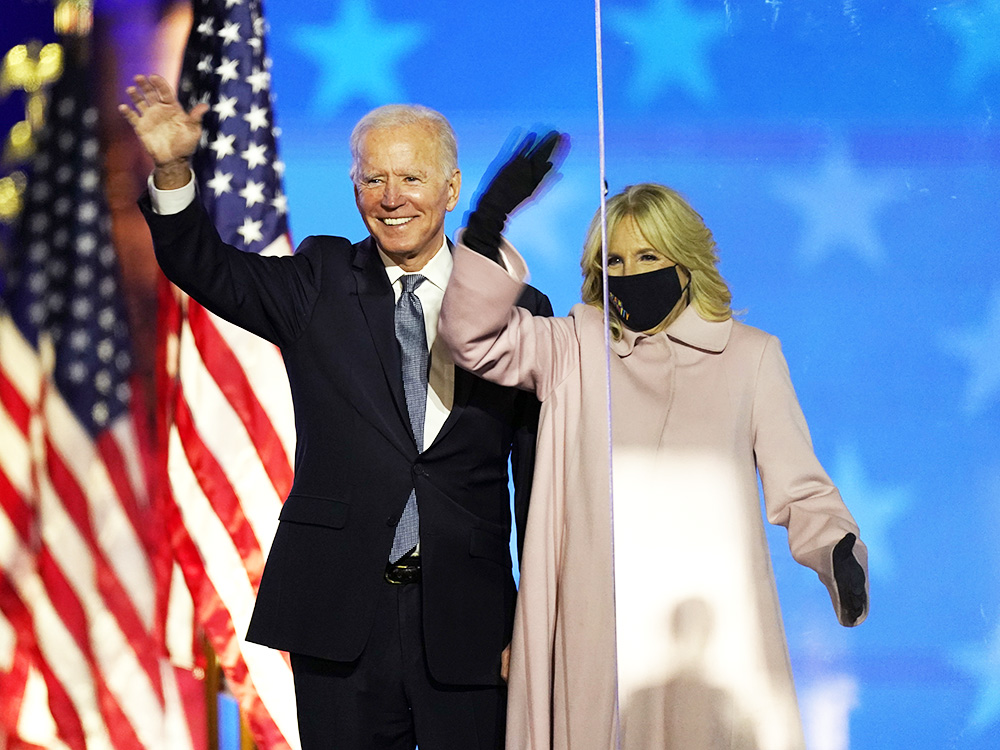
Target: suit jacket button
418 470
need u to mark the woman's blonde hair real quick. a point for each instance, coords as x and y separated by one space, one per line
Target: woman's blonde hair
671 227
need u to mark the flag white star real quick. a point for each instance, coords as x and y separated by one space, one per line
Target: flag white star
280 204
223 146
259 80
229 33
250 231
255 155
205 64
220 182
207 27
227 69
225 107
256 118
235 171
252 193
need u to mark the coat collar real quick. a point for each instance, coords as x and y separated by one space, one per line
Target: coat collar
689 329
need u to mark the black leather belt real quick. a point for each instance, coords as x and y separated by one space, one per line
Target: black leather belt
405 570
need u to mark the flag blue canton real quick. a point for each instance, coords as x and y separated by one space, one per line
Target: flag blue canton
236 165
63 289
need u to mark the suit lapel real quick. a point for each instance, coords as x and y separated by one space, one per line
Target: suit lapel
464 383
377 304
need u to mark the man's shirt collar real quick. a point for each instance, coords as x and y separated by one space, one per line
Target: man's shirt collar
437 270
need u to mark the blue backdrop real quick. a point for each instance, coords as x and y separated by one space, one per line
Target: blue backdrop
845 155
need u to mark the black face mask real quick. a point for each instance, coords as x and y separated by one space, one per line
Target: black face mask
643 300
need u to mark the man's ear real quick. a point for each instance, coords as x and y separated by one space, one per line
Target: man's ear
454 188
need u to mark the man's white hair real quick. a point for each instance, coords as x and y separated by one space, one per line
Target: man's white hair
396 115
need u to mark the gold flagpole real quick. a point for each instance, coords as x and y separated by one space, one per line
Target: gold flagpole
214 686
213 680
246 739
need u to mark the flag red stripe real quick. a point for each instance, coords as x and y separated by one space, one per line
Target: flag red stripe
122 733
16 610
12 681
65 600
216 485
228 373
73 615
218 626
16 407
68 606
114 462
114 595
15 507
147 528
68 726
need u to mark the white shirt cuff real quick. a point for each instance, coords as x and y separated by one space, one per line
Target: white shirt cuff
167 202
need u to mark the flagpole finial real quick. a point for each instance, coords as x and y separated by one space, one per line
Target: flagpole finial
74 17
11 189
30 68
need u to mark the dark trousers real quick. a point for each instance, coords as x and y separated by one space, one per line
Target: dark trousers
387 699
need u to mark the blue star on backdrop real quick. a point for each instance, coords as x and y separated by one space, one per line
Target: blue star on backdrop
357 56
976 29
672 46
982 663
877 509
978 346
840 208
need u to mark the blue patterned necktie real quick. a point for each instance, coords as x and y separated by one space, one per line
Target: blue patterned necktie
412 338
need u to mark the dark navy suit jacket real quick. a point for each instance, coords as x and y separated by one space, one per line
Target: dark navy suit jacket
329 308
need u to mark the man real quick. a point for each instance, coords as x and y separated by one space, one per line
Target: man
389 578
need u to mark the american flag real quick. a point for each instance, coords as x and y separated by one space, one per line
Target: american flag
82 659
228 412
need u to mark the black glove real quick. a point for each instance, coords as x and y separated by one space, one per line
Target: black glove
850 579
513 184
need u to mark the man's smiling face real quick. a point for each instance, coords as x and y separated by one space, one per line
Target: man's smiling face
403 192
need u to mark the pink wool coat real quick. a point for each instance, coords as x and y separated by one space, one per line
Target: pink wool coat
697 411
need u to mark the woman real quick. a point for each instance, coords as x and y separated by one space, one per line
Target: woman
650 620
